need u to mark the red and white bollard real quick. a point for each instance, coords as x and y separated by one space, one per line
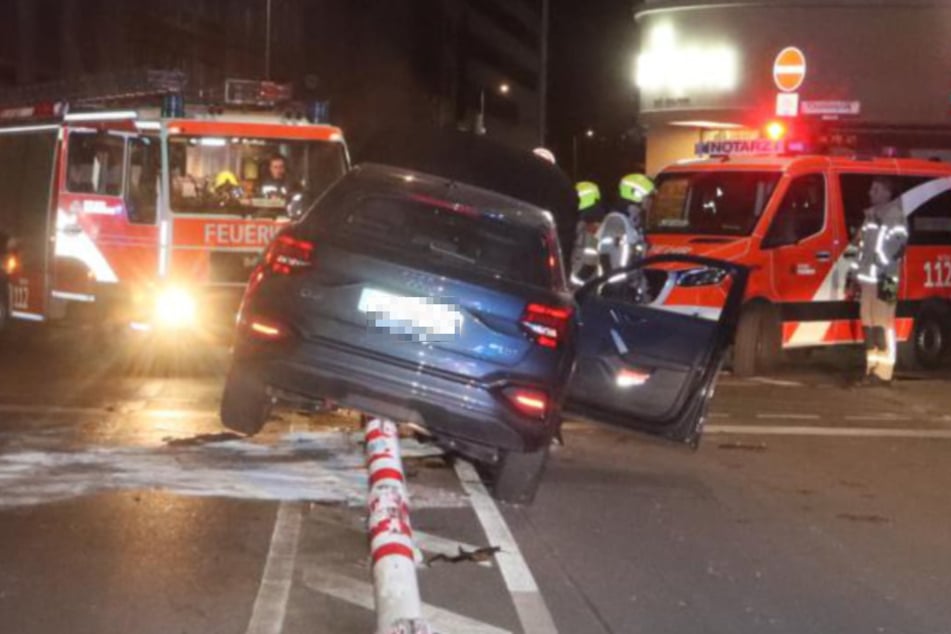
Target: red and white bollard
396 590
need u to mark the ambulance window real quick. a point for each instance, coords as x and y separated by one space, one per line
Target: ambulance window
855 200
95 163
801 214
930 224
710 202
145 159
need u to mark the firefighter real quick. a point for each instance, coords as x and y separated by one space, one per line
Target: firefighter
881 245
226 188
584 253
621 238
276 184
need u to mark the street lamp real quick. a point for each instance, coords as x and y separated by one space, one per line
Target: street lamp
588 134
503 89
267 42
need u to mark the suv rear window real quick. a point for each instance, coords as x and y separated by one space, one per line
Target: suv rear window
450 239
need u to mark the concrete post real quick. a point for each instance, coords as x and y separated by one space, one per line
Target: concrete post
396 590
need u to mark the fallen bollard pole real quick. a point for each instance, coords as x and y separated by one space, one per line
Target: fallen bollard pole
396 590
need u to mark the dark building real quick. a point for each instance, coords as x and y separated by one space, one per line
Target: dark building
380 63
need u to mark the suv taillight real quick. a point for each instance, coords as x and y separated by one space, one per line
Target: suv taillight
528 402
548 325
287 255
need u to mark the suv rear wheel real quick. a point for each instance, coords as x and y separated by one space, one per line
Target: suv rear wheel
245 404
516 477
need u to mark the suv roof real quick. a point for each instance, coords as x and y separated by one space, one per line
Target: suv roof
398 180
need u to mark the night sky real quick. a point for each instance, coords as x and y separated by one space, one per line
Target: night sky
591 84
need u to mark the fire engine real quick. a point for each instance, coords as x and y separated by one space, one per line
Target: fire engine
148 201
791 218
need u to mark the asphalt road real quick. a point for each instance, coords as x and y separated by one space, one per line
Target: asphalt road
124 508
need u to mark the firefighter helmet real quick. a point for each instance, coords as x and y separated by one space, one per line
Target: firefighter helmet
589 194
225 178
635 188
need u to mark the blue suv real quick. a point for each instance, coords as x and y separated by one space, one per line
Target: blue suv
443 305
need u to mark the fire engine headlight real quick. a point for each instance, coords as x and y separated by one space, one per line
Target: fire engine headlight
701 277
175 308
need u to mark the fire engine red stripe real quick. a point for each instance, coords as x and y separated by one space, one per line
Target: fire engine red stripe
385 474
390 550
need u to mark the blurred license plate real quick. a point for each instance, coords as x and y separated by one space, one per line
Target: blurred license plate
412 318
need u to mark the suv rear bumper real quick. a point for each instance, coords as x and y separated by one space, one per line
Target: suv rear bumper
451 408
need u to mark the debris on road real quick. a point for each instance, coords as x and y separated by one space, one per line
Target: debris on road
201 439
478 555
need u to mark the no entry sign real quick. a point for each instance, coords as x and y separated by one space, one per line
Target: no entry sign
789 69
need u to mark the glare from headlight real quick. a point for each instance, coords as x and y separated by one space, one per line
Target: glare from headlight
175 308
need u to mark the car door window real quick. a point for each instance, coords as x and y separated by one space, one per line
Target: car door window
801 213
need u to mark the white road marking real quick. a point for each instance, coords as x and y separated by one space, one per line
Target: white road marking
360 593
788 416
529 603
270 605
881 417
841 432
778 382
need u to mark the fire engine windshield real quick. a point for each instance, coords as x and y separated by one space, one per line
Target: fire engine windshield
248 176
710 203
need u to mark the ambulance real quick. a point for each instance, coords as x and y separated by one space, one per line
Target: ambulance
790 218
130 201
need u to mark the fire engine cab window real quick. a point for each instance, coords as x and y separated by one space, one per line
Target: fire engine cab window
249 177
710 203
95 163
801 214
145 160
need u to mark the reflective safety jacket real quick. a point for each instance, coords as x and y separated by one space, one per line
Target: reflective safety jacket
882 240
584 256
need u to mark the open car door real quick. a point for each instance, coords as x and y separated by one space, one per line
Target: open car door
648 365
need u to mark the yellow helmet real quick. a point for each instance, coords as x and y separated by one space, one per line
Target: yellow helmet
589 194
224 178
636 187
